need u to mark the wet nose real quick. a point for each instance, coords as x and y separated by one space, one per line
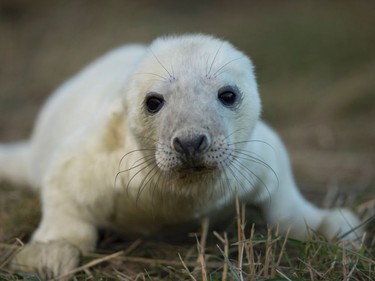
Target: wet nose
190 145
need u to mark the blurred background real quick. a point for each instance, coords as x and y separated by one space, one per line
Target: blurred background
315 63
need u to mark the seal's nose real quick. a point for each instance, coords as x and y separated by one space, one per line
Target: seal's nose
190 145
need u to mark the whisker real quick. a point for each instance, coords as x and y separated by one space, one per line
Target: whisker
157 59
165 178
150 73
148 158
206 67
162 177
158 80
133 151
252 156
173 75
144 183
132 178
229 62
228 180
254 141
237 179
242 167
231 134
246 155
214 59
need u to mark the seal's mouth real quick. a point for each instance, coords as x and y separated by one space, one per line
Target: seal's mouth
193 169
193 172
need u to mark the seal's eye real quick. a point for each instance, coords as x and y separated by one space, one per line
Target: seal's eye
154 102
228 95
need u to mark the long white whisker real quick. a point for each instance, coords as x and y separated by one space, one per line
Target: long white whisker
229 62
214 59
157 59
154 74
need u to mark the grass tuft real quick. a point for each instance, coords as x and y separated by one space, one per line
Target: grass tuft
243 252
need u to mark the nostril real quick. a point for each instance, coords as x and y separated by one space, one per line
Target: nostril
178 145
201 143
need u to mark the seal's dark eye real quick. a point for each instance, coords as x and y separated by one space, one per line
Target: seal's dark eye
228 95
154 102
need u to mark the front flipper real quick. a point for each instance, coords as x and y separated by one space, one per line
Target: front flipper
48 260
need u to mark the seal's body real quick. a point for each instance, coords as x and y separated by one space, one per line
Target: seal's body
150 137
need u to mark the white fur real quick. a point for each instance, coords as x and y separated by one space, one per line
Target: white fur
88 126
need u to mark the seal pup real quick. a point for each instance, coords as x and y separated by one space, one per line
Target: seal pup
148 137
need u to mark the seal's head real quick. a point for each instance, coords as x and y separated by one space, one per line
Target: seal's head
193 99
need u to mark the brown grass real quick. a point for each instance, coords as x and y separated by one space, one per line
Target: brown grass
244 253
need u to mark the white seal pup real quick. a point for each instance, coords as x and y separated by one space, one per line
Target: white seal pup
152 136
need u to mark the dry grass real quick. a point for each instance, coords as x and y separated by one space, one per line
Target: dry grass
242 253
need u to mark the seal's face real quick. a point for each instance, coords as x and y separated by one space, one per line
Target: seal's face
198 104
195 137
